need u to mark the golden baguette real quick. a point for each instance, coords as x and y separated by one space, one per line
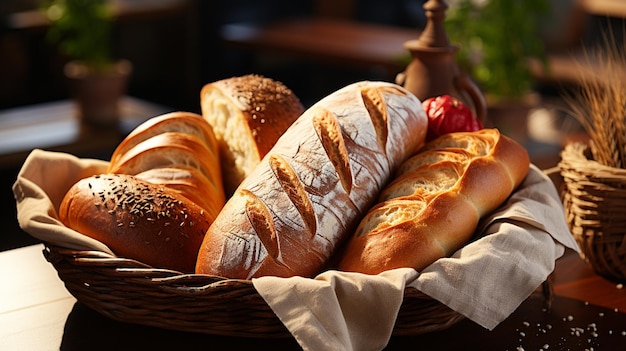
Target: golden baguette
432 207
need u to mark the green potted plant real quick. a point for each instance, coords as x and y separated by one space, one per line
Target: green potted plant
82 30
497 39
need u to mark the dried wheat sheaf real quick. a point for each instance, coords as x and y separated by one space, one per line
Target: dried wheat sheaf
600 103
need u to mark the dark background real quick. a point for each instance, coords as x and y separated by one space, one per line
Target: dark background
175 53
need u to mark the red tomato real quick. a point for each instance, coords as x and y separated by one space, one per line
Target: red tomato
447 114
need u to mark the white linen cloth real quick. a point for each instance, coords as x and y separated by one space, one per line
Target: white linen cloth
485 281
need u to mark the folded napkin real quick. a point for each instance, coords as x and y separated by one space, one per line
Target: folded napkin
39 189
485 281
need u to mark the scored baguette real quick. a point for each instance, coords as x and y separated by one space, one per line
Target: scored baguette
434 204
248 114
308 192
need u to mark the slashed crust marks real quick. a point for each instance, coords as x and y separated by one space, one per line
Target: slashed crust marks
375 105
262 222
329 132
294 189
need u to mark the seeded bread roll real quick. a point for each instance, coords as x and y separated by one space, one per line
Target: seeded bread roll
308 192
432 207
189 183
137 219
248 114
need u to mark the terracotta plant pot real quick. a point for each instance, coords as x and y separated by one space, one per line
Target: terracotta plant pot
98 92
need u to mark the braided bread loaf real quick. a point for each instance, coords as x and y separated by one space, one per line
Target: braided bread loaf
160 193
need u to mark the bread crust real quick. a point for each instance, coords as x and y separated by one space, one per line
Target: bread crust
413 228
170 149
341 152
137 219
248 114
178 150
190 183
179 121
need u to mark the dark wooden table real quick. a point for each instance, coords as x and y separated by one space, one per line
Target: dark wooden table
37 313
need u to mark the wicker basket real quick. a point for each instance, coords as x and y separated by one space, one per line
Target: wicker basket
130 291
594 198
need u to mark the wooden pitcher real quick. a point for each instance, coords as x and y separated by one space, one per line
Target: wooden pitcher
433 70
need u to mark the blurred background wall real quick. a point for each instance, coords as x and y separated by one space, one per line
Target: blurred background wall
175 50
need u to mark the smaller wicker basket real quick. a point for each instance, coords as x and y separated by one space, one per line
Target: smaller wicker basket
130 291
594 197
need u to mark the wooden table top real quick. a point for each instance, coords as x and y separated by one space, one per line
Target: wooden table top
37 313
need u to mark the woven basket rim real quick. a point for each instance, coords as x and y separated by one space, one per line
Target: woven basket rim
575 156
102 282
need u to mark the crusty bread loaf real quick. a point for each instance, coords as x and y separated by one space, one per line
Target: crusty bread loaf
309 191
137 219
248 114
178 150
434 204
169 150
180 121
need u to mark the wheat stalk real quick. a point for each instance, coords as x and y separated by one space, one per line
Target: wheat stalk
600 104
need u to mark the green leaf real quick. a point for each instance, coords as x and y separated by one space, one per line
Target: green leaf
81 29
496 38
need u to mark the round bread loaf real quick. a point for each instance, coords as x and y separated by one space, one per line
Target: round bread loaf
137 219
433 205
248 114
307 194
